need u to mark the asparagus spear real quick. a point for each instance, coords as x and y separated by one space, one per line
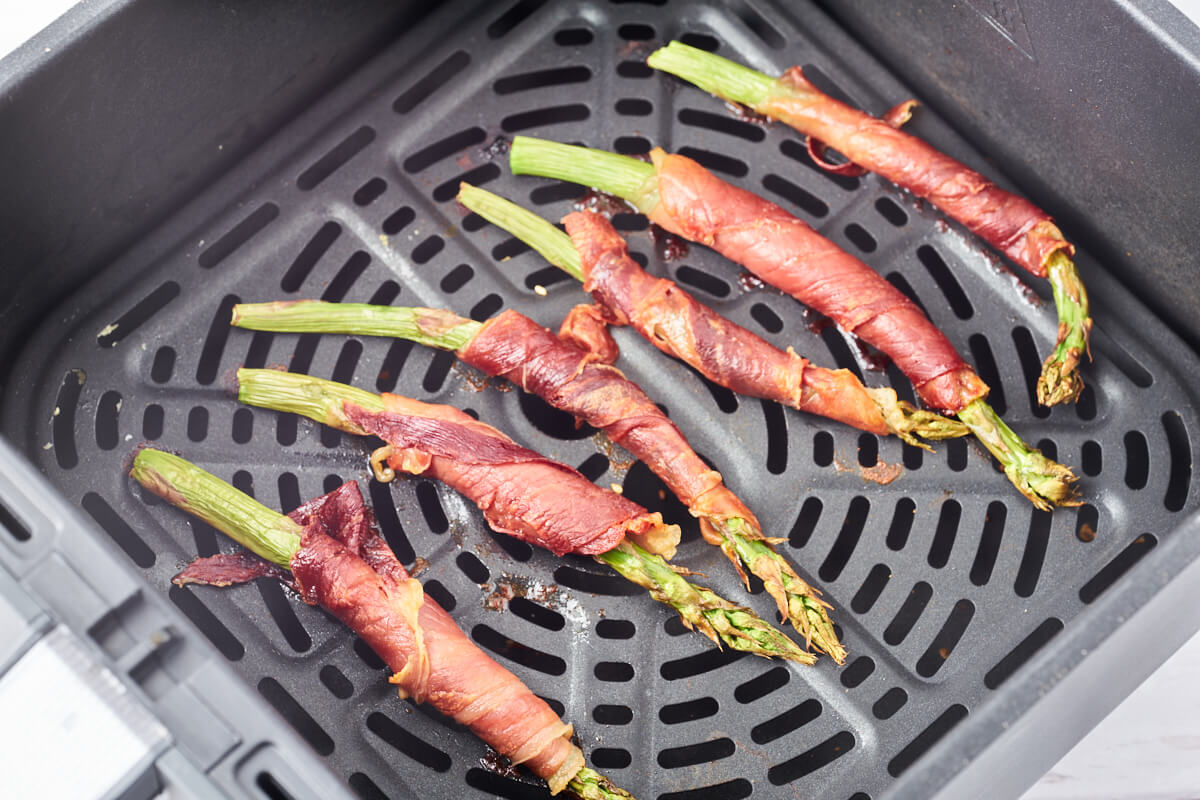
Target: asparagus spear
276 538
700 609
916 166
1040 479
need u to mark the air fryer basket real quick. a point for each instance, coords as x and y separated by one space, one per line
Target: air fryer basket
951 592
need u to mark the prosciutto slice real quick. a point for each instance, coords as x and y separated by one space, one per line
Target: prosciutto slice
725 352
1008 222
785 252
520 492
517 348
344 566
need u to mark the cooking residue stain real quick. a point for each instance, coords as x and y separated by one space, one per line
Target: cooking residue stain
602 203
668 246
619 461
882 473
750 282
498 764
508 586
496 148
1086 533
747 114
419 566
478 381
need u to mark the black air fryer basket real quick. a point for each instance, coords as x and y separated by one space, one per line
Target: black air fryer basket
985 636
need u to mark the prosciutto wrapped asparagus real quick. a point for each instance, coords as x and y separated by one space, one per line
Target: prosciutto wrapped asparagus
681 326
520 493
1008 222
515 347
688 200
338 561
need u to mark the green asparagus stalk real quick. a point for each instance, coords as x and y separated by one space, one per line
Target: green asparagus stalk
700 609
1043 481
1060 380
248 522
276 538
799 603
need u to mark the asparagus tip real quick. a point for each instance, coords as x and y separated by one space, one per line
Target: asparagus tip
908 422
587 784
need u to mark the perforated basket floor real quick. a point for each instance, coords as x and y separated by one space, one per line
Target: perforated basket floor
945 582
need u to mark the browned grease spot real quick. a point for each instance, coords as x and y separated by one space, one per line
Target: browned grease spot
497 147
747 114
508 586
494 762
419 566
750 282
668 246
872 359
944 652
882 473
1086 533
602 203
619 460
478 381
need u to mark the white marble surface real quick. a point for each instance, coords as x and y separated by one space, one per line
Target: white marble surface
1147 749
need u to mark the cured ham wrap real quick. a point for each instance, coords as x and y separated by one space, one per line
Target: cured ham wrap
685 199
1006 221
522 493
338 561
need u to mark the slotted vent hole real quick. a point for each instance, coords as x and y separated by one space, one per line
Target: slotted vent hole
806 522
861 238
435 589
813 759
1024 650
444 148
908 615
163 365
542 118
688 711
608 584
336 682
479 176
514 16
985 365
926 739
1124 561
721 123
108 412
137 316
491 639
797 152
573 37
615 629
762 685
1031 368
847 539
1035 553
868 450
889 703
1087 523
737 789
296 715
901 525
369 192
612 714
433 80
708 660
411 745
437 371
1180 449
944 534
947 639
989 543
309 256
202 617
704 281
366 788
942 275
1091 458
805 200
777 437
336 158
781 725
890 211
237 236
857 671
692 754
120 531
876 581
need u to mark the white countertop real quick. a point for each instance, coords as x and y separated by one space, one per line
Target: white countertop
1147 749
